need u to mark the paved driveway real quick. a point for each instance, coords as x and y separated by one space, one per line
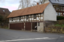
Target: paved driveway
26 36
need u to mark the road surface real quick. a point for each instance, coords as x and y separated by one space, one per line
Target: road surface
27 36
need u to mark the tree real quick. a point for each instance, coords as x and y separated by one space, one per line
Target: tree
1 18
42 1
24 4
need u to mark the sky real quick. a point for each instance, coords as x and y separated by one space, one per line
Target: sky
60 1
10 4
14 4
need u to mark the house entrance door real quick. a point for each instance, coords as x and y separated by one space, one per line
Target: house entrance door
34 26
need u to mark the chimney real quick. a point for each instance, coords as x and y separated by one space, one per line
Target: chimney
37 3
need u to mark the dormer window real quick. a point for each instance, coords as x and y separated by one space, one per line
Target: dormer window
3 10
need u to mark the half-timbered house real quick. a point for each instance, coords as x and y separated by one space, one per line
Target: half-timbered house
32 18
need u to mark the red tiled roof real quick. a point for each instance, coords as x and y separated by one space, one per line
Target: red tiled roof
30 10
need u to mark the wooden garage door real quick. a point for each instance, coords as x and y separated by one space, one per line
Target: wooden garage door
28 26
17 26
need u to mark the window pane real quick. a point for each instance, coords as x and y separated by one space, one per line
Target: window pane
35 16
27 17
12 19
19 18
3 10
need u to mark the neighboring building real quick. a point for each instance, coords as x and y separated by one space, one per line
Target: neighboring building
59 6
4 11
59 9
32 18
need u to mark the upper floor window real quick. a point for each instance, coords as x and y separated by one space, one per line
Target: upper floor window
27 16
34 16
12 19
19 18
59 14
30 16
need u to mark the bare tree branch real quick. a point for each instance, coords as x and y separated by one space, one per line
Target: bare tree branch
24 3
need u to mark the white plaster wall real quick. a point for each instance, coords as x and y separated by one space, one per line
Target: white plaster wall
42 17
16 19
10 20
41 27
50 13
23 18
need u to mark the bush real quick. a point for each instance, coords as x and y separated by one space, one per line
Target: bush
1 18
62 25
58 25
60 17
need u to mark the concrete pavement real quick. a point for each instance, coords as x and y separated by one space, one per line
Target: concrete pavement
26 36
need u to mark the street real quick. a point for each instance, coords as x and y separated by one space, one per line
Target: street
27 36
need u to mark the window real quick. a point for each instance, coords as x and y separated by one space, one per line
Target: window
3 10
38 23
63 13
59 13
35 16
57 9
63 8
27 17
20 18
30 16
12 19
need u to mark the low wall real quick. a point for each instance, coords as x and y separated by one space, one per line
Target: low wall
54 29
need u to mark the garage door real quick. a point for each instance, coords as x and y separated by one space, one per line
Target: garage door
28 26
17 26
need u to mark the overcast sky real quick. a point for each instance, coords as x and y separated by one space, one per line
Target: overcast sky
13 4
10 4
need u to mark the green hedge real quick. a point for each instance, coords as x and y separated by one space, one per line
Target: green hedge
60 17
58 25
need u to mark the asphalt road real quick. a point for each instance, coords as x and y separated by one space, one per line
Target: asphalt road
27 36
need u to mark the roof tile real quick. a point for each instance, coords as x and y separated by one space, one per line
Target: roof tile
30 10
